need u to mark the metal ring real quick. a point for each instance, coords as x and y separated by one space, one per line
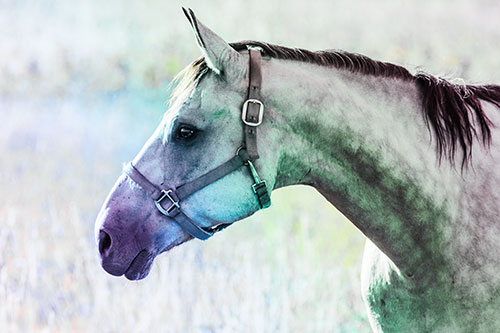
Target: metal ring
240 148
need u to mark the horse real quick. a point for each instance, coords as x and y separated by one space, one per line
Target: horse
410 159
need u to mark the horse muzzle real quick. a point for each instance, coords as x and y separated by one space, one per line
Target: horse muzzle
126 257
124 234
130 232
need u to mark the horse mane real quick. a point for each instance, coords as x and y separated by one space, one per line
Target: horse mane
453 111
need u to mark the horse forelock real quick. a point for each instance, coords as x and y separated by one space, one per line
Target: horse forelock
452 111
186 80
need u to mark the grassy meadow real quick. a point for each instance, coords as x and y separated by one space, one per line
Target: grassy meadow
83 85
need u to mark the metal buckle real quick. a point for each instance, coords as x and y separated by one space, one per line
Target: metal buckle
166 194
244 112
259 185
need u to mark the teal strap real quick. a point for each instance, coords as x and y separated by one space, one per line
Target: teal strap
259 187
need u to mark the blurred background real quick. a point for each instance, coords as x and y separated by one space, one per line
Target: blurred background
82 86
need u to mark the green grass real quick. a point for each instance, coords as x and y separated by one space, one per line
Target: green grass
83 86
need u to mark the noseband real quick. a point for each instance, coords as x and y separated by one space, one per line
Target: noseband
252 115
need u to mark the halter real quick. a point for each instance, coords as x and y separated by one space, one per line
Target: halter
168 201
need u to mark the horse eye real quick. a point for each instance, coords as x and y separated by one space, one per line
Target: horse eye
186 133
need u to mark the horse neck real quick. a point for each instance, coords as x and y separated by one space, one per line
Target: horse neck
362 142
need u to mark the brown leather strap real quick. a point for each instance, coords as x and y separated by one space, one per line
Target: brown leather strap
253 109
150 188
175 213
185 190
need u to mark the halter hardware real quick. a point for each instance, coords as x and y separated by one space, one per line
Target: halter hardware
174 203
245 110
259 187
253 109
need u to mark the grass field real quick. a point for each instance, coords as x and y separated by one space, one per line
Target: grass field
82 86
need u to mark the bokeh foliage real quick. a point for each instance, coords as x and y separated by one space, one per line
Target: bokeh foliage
82 86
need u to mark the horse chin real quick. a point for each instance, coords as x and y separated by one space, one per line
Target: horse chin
140 266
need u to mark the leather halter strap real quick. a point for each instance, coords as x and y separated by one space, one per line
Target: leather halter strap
252 115
253 109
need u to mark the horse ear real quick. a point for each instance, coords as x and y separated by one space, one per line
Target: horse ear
219 55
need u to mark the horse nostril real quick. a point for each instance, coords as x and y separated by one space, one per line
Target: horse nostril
104 242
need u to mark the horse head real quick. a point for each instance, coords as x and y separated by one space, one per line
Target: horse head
196 170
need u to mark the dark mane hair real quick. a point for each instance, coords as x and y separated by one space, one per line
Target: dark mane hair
453 111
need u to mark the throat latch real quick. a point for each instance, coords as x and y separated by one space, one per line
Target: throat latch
252 114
